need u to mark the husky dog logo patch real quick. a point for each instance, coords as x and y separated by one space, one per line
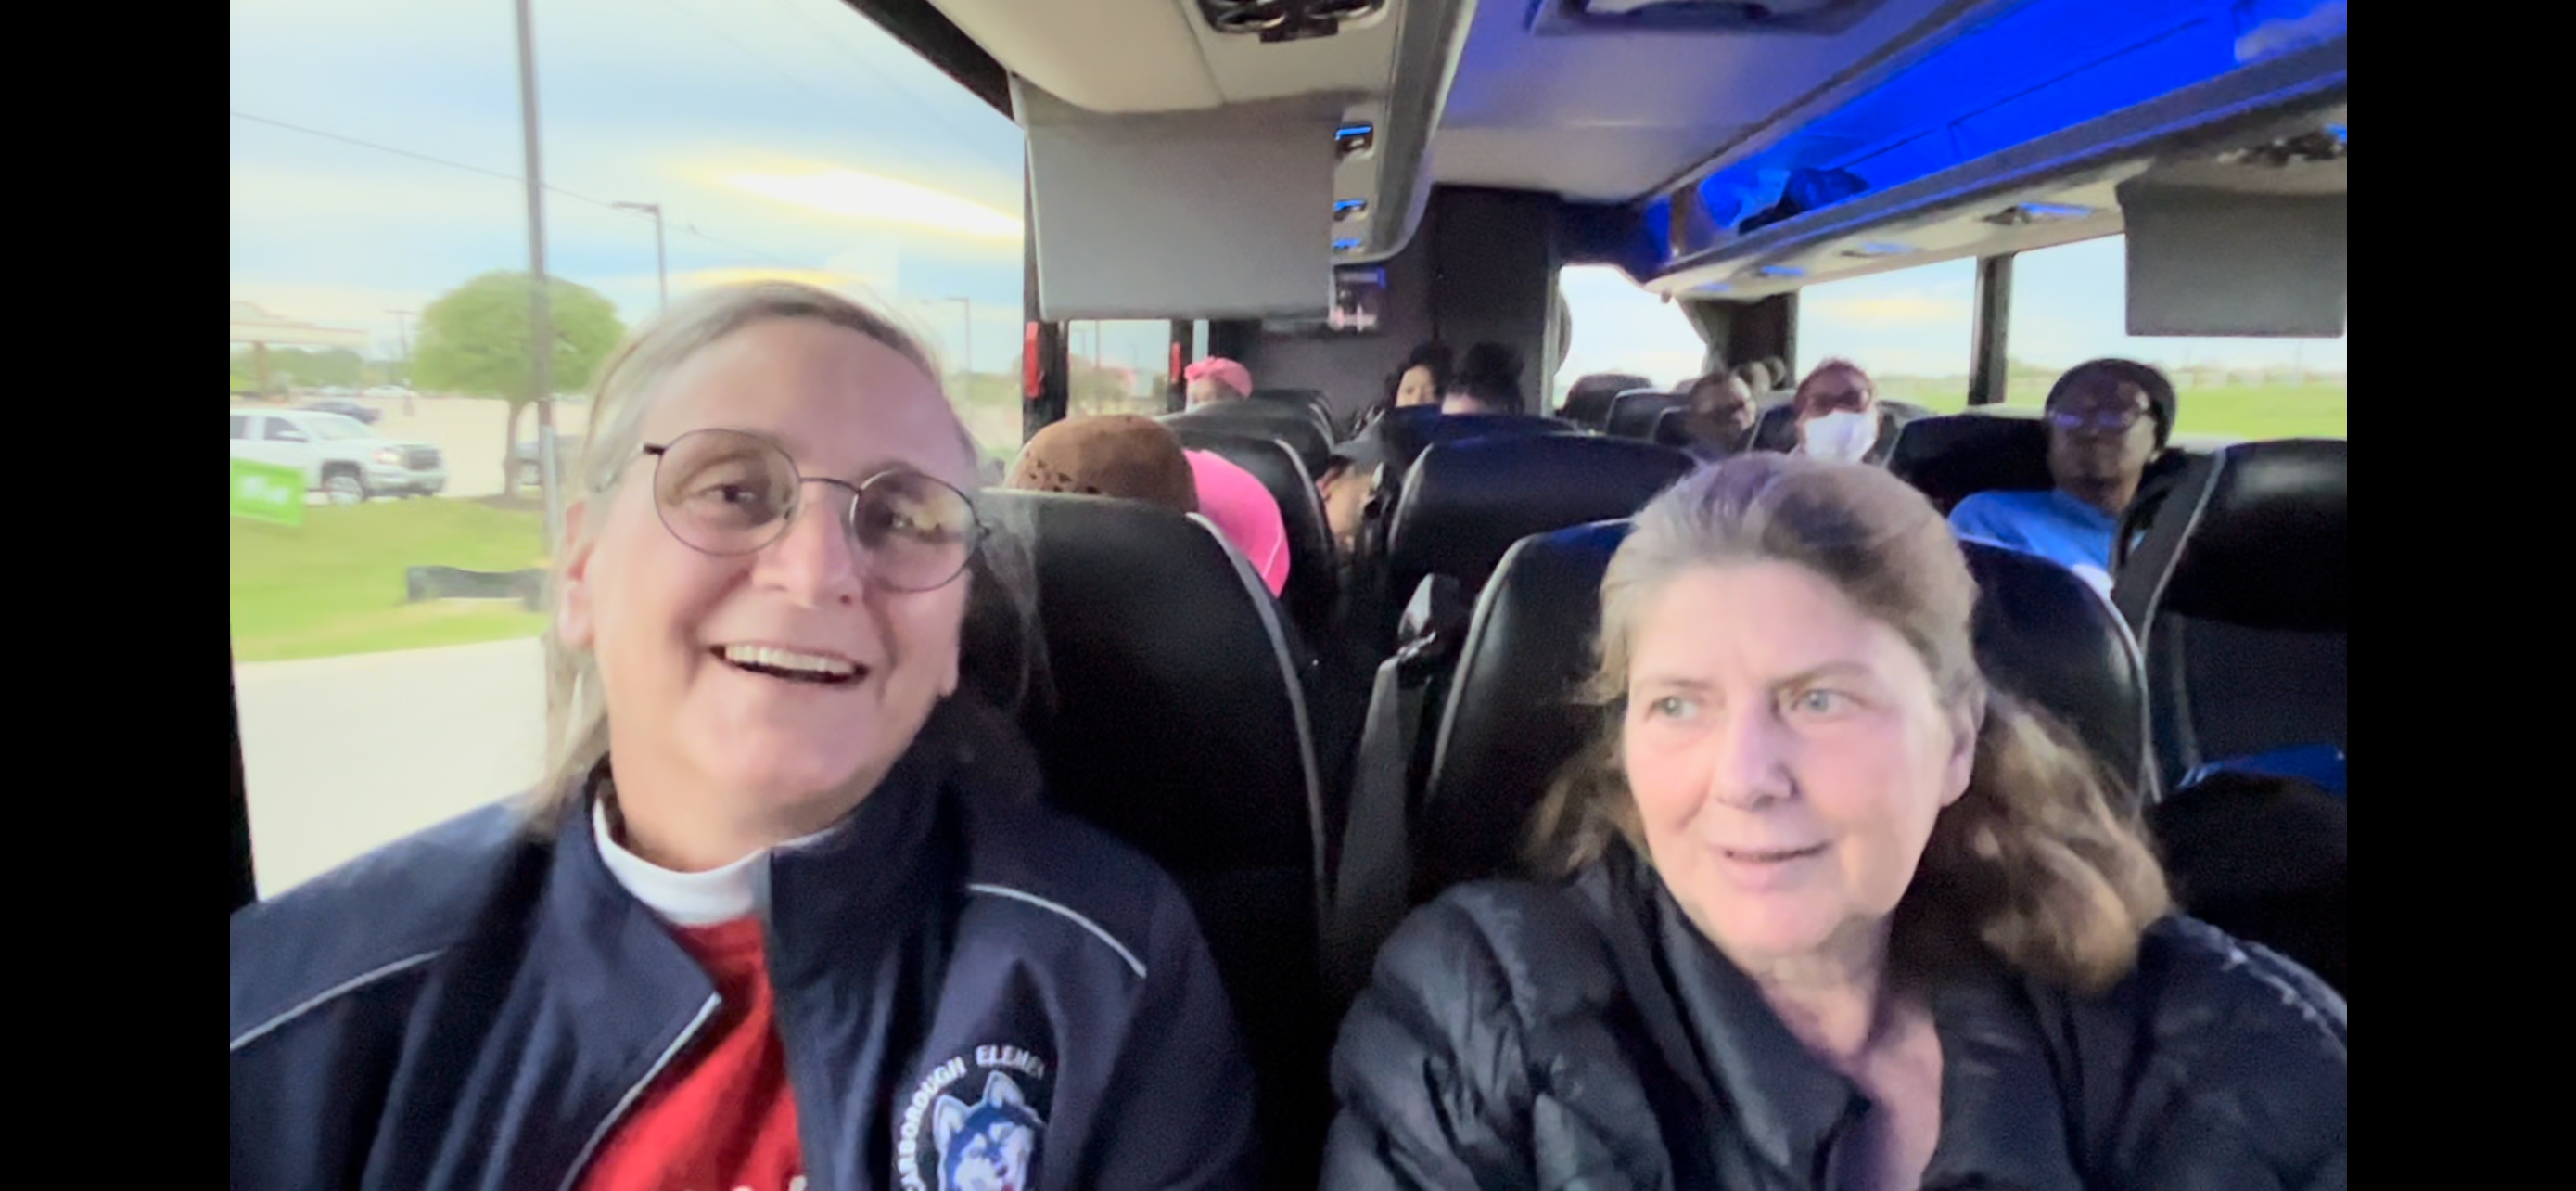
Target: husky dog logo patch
989 1143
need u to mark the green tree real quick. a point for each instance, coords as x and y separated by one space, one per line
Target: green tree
474 340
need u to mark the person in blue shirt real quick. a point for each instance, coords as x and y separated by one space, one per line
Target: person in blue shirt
2106 419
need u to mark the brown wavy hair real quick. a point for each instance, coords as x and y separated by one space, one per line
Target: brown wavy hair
2043 860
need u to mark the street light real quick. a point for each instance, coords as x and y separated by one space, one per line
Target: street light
661 275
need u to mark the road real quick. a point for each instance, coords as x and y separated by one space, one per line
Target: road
343 754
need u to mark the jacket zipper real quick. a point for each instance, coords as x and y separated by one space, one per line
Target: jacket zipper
581 1161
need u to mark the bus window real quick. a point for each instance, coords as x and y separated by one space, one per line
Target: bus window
2069 306
1912 330
1622 327
1119 367
383 634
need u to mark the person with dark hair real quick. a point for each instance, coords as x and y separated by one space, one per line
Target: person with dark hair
1422 379
2106 420
1588 400
1718 418
1821 907
1488 382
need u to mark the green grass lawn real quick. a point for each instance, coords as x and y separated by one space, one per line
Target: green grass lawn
2236 411
334 585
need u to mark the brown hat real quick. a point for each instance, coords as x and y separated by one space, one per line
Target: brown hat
1120 455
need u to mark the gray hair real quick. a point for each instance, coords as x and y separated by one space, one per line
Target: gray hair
627 388
2040 860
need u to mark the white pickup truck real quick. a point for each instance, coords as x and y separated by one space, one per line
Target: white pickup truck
341 457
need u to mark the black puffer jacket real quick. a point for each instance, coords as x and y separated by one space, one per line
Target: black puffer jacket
1584 1035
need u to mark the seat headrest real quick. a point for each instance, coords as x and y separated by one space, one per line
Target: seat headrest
1464 503
1511 722
1313 573
1407 437
1312 401
1292 423
1777 428
2045 635
2251 535
1633 413
1176 719
1951 457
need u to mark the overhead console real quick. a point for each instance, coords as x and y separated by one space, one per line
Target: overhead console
1341 94
2017 129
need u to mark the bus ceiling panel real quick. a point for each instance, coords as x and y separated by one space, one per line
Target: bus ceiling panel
920 25
1220 214
1382 181
2020 74
1529 106
2210 261
1103 55
2256 120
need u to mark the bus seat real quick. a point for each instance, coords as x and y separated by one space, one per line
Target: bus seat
1952 457
1314 577
1587 403
1291 423
1407 437
2236 591
1632 414
1312 401
1465 503
1511 722
1177 723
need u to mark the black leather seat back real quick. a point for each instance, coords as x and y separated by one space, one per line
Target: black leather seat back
1587 401
1314 583
1292 423
1632 414
1465 503
1177 723
2236 591
1511 724
1312 401
1954 456
1408 434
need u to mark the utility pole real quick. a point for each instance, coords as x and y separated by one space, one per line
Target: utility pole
541 338
402 344
661 272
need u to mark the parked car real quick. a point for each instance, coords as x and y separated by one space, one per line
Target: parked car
346 409
340 456
523 458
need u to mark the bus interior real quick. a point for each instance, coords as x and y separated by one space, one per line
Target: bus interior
1311 186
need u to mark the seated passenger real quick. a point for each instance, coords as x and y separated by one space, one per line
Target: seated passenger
1719 417
1424 377
789 906
1825 910
2106 419
1347 484
1235 501
1488 382
1121 455
1838 416
1216 379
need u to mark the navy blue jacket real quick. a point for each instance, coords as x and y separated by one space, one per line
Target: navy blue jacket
480 1005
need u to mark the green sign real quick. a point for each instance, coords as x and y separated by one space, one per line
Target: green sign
268 492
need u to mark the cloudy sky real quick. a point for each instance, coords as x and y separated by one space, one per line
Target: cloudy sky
792 137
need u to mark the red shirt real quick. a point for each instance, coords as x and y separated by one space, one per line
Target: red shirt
721 1117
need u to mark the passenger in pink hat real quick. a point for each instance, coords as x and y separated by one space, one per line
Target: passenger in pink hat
1217 379
1245 513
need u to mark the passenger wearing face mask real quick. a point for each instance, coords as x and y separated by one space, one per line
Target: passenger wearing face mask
2106 420
1839 420
789 907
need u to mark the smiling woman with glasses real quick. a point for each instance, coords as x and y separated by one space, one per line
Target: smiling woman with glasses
787 908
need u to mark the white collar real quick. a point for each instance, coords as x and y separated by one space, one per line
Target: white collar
717 895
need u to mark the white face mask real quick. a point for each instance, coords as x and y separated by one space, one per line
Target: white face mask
1841 436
